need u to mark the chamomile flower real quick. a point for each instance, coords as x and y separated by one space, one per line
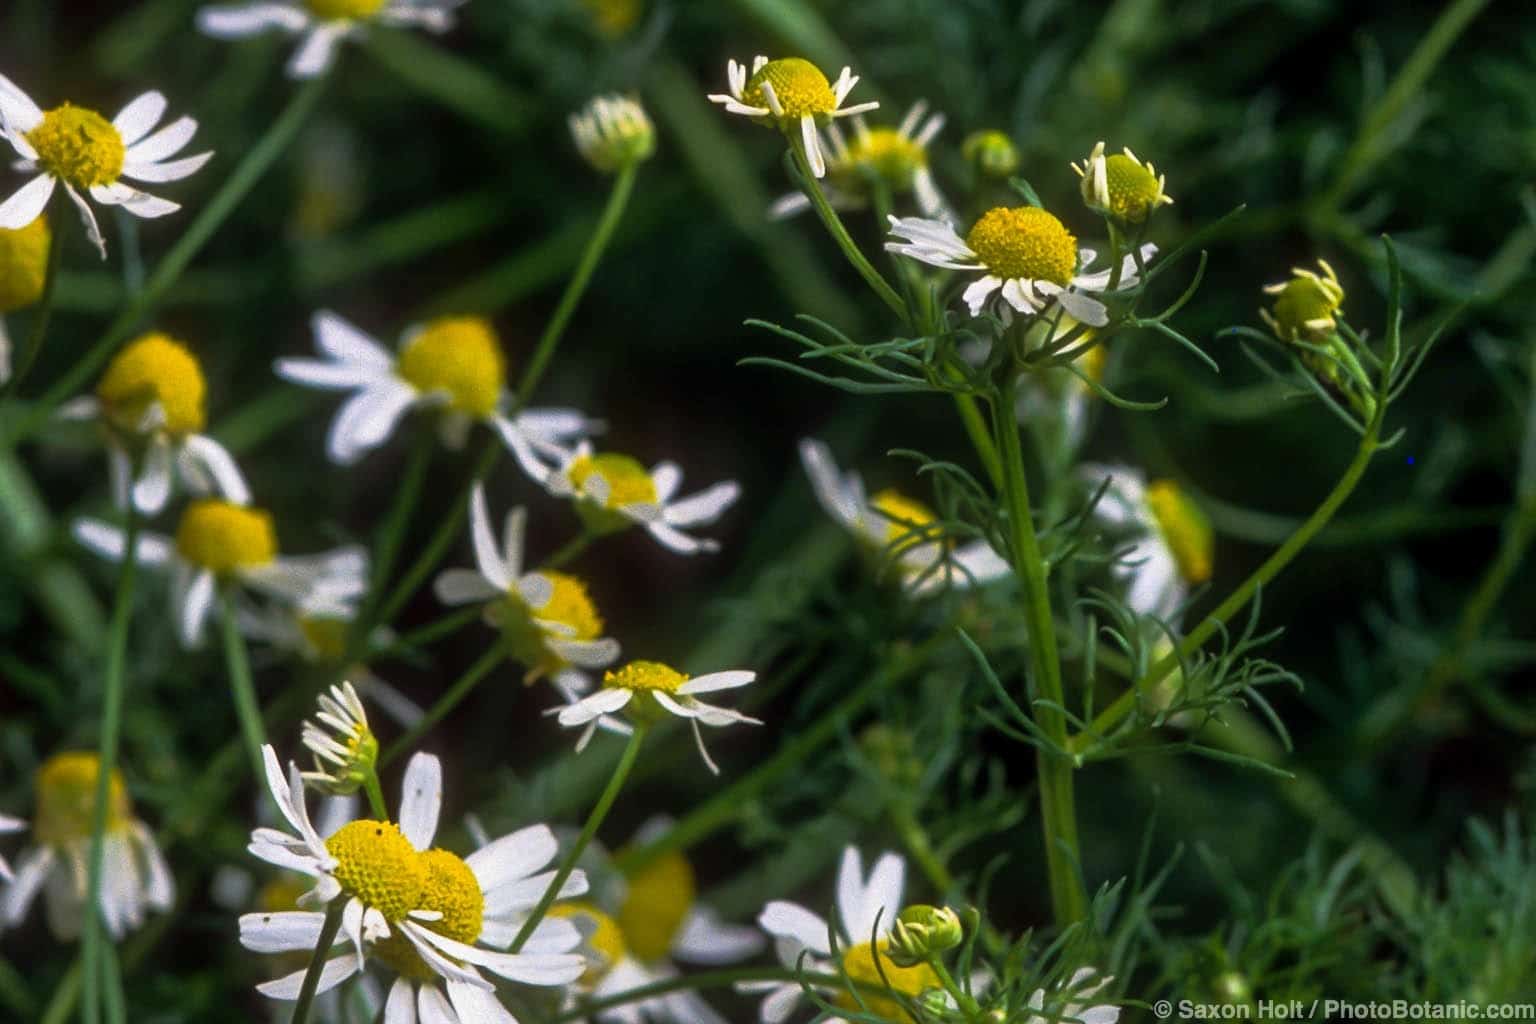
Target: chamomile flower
791 92
1069 1001
866 913
893 526
150 400
645 689
222 543
134 874
1307 306
344 747
613 492
1120 186
895 157
1025 254
547 618
653 919
1173 548
419 910
453 365
90 155
323 24
23 273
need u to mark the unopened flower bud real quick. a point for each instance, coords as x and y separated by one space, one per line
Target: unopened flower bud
613 132
923 932
345 749
992 153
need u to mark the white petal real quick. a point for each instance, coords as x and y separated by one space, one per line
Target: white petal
88 221
31 872
164 143
366 419
477 1006
16 108
176 170
434 1008
315 373
717 681
421 800
463 586
705 939
27 203
1089 310
812 141
287 987
401 1007
153 487
140 204
783 919
977 293
239 20
214 460
704 507
196 604
603 702
318 50
492 567
137 118
881 897
513 857
339 339
281 932
107 541
678 541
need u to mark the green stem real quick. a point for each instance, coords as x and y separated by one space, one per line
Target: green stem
238 664
725 806
328 932
618 199
588 832
967 1003
834 225
44 312
1058 815
571 549
376 804
446 703
199 232
111 722
915 838
407 495
1235 602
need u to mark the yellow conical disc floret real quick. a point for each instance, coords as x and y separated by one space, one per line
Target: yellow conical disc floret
606 939
656 903
330 9
1307 307
628 482
1184 528
66 799
221 536
453 891
569 605
859 965
79 146
378 865
460 357
1024 242
23 264
643 676
798 85
154 369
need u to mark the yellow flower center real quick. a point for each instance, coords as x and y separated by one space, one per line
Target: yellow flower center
378 865
221 536
1184 528
1133 189
459 357
1024 242
79 146
658 899
889 155
606 940
904 516
23 264
66 799
1307 306
614 17
859 965
628 482
569 604
451 889
154 369
643 677
327 637
332 9
799 86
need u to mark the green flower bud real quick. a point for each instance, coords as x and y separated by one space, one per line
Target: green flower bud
923 932
992 153
613 132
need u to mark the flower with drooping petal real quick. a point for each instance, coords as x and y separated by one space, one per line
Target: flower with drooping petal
23 275
1120 186
134 874
151 402
897 158
793 94
1173 549
1024 254
898 528
614 492
453 365
546 617
219 542
646 689
90 155
420 911
866 913
323 24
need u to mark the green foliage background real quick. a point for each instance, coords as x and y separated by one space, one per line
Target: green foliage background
439 176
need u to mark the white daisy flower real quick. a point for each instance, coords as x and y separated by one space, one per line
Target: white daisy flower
23 276
647 688
897 528
613 492
219 542
791 92
323 24
547 617
1081 986
898 157
656 919
1025 254
866 910
89 154
453 364
134 874
151 400
1173 548
419 910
